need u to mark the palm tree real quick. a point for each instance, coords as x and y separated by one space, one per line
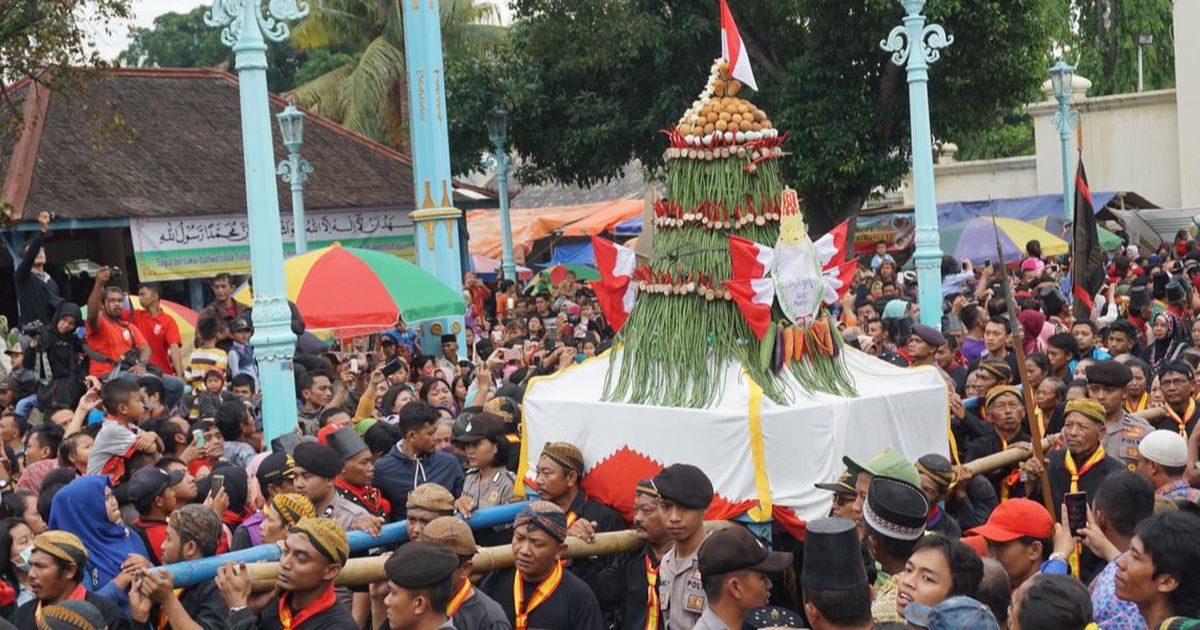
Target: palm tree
369 95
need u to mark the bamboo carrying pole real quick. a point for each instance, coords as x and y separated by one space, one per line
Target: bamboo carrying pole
360 571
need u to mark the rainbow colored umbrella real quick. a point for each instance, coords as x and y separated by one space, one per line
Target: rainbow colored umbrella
975 239
358 291
558 272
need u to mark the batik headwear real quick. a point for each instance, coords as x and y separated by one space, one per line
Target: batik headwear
1093 410
998 368
451 533
939 469
545 516
292 507
1001 390
505 407
62 545
431 497
198 524
72 614
646 487
566 455
327 536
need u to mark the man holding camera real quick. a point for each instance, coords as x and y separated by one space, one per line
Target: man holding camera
111 338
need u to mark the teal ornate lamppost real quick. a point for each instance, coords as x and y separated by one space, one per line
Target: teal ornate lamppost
497 128
1062 80
915 45
246 27
294 169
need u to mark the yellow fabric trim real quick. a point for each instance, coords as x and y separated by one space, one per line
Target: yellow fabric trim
523 465
762 513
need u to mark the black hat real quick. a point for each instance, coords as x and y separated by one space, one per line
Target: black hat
1109 373
1177 290
771 617
736 549
447 338
239 324
845 483
832 556
896 509
929 335
234 480
285 443
420 564
482 426
148 482
318 459
1159 282
1139 298
275 469
1053 300
346 442
684 484
515 392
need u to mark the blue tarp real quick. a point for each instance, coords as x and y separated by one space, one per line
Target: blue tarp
573 254
629 227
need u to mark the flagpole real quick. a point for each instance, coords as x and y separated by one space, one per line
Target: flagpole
1035 428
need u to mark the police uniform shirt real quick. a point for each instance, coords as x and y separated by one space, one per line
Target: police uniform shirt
492 491
342 510
1121 439
680 591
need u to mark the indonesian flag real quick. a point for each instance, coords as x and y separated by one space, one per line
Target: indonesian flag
733 51
749 259
754 298
616 290
835 270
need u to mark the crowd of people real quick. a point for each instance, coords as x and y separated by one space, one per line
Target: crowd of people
124 451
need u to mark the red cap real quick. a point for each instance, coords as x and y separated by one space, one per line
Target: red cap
978 544
1015 518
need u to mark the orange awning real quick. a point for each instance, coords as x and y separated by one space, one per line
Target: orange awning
531 224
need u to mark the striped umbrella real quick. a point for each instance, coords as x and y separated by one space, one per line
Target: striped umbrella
975 240
359 291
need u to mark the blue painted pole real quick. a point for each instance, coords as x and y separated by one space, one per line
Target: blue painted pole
1062 77
200 570
509 261
436 238
246 29
915 45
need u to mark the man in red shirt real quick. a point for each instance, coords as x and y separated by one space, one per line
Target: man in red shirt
108 336
160 331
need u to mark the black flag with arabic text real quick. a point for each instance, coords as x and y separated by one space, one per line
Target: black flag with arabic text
1087 259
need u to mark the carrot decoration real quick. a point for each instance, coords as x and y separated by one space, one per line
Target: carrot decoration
801 344
789 342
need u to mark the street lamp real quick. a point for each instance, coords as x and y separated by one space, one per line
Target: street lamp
1143 41
497 128
1062 80
246 29
915 45
294 170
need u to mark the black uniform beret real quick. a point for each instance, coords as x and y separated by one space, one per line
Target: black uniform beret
318 459
684 484
1109 373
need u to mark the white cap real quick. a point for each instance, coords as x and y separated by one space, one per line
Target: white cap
1165 448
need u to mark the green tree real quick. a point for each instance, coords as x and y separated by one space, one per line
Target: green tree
1105 40
183 40
48 42
368 93
591 83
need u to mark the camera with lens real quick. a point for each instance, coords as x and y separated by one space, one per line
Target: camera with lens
33 328
114 273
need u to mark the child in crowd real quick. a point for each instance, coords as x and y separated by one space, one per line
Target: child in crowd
206 356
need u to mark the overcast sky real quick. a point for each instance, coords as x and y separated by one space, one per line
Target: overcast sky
144 11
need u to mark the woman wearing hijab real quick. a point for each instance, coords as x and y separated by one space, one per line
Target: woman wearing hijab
1168 340
1033 324
87 508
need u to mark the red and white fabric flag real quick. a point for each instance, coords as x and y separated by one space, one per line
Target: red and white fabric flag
754 298
836 271
616 291
749 259
733 51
